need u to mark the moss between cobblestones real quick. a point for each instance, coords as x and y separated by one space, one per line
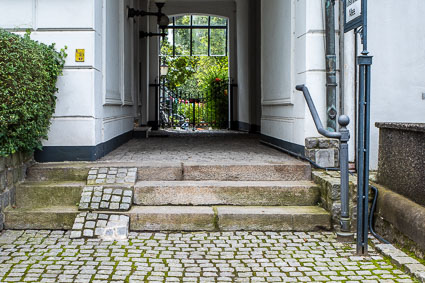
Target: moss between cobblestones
300 246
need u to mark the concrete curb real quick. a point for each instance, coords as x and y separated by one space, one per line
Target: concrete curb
401 260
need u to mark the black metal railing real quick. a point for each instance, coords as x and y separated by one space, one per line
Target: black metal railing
196 109
344 136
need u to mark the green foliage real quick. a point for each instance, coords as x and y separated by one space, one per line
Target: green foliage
28 74
200 77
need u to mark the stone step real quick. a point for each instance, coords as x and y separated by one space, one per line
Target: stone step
45 194
184 218
141 132
292 170
268 193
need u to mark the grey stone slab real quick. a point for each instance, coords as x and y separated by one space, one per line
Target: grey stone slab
89 224
126 199
116 198
106 197
104 205
114 205
96 199
88 233
91 216
263 218
75 234
171 218
124 206
77 226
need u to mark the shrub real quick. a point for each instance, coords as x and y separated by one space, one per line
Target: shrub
28 74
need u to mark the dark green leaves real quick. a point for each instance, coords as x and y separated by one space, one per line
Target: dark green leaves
28 75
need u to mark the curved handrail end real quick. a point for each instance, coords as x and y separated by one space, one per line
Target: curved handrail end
300 87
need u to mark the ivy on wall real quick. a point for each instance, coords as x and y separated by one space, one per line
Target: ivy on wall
28 74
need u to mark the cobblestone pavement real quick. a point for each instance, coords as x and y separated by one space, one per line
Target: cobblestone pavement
219 147
51 256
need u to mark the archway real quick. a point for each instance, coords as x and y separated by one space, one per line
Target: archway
195 89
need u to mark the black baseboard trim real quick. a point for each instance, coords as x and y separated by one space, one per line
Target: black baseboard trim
245 127
283 145
80 153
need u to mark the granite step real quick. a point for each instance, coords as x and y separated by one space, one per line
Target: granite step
292 170
33 194
247 193
183 218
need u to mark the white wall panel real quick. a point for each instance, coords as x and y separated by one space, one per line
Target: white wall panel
115 126
113 52
16 14
71 132
76 93
397 44
65 14
128 56
73 40
277 52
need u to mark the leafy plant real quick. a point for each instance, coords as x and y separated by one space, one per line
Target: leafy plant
28 74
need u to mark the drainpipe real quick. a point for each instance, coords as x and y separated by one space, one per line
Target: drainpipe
330 66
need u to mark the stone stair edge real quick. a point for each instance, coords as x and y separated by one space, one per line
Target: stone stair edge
91 164
223 183
190 218
58 183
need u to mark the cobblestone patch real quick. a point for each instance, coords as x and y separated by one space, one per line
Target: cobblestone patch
109 176
106 198
105 226
51 256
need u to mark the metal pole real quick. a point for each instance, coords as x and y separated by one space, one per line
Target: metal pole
156 125
330 66
344 235
193 115
364 62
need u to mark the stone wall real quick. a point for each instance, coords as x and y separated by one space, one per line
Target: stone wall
12 171
323 151
330 195
401 165
400 221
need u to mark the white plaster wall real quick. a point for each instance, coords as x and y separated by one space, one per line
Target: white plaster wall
87 114
279 116
118 107
71 24
243 60
397 42
293 52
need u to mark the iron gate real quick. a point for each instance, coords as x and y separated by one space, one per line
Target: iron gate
208 109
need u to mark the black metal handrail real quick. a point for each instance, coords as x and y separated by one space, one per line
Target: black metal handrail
344 136
316 118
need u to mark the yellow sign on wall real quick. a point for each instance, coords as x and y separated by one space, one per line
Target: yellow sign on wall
79 55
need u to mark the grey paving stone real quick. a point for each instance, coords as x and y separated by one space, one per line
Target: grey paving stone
189 257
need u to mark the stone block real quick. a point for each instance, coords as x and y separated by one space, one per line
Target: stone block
5 199
311 143
2 163
284 218
325 143
2 181
325 157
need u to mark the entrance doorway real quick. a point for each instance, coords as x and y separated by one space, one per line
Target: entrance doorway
195 88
